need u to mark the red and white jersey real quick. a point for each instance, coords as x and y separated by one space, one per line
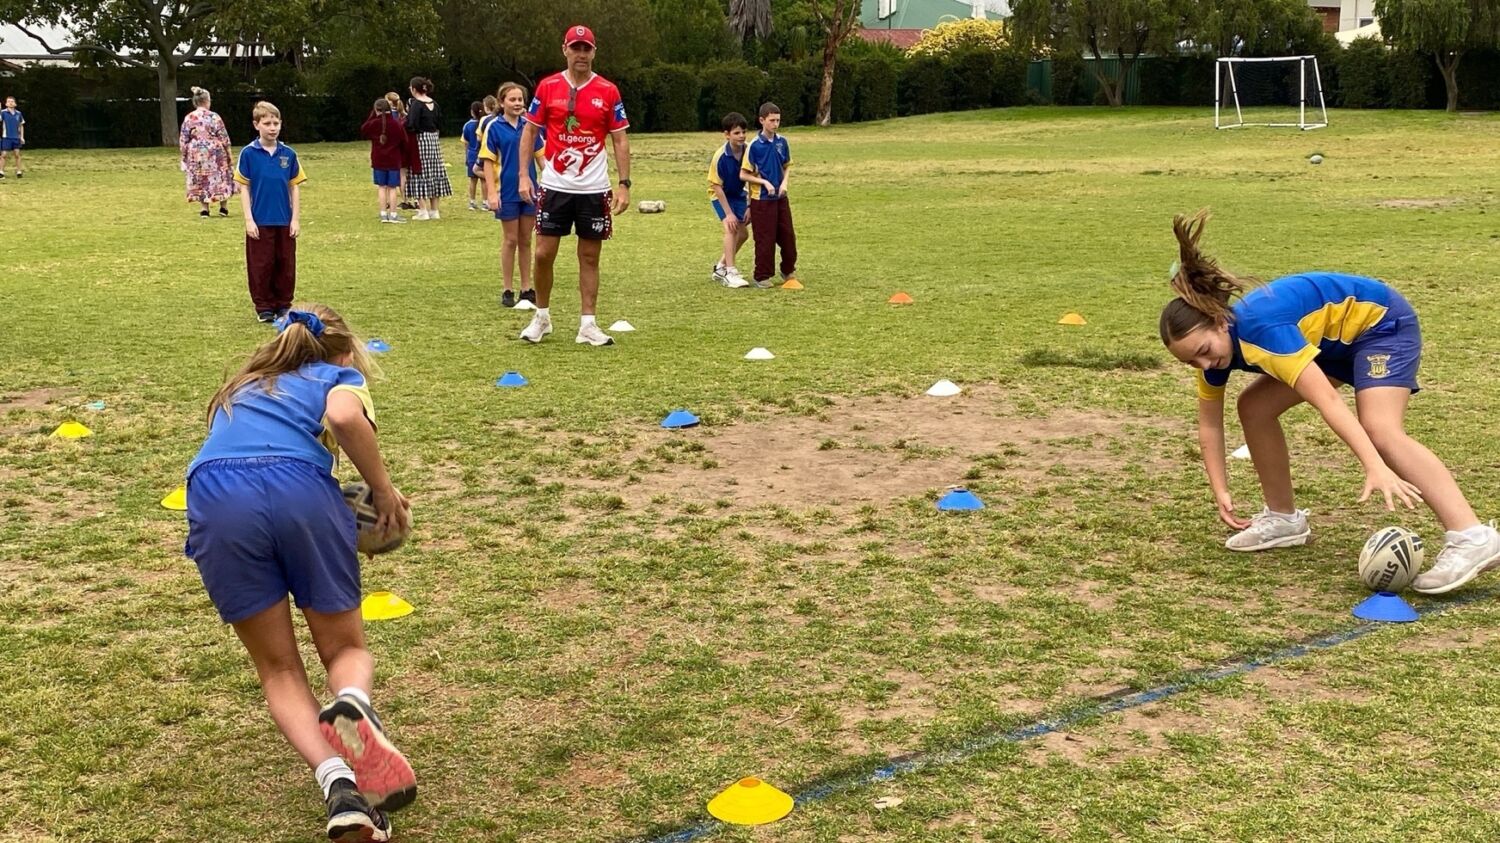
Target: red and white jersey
576 136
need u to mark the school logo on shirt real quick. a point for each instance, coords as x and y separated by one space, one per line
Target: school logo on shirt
1378 363
286 162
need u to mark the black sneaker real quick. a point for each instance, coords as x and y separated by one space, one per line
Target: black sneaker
528 295
203 214
223 210
2 174
350 817
507 299
19 174
266 316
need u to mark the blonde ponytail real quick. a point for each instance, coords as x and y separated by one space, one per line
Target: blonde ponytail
1204 289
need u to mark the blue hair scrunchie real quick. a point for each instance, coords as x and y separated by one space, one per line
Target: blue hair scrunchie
311 320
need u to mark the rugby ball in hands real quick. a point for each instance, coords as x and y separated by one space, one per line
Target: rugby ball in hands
370 541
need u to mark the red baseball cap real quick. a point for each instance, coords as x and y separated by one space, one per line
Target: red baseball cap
580 33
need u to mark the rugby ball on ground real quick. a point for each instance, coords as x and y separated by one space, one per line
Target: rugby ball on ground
1391 559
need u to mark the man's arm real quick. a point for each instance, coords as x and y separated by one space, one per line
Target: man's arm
621 143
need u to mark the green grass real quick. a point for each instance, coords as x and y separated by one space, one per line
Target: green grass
613 621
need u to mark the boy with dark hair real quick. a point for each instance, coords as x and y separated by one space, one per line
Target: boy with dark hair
726 193
767 160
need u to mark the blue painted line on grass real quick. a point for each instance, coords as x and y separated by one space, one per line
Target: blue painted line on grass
1100 706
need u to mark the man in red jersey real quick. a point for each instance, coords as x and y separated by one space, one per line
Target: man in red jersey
577 110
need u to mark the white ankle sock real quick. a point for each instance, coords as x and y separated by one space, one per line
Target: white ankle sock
1290 516
585 320
332 770
357 693
543 312
1477 533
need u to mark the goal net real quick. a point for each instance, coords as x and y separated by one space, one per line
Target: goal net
1281 91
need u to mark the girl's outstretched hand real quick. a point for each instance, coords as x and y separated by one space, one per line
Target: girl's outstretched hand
1226 512
1385 481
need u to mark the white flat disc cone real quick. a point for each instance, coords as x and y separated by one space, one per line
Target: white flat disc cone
622 326
944 389
760 354
1241 453
524 305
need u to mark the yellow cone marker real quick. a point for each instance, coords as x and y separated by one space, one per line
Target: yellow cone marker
72 430
176 499
900 298
750 801
1072 319
793 284
384 606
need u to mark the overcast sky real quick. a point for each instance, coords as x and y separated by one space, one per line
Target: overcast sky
15 42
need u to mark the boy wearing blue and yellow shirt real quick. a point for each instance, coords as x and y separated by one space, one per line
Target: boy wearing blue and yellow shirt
273 208
767 160
1305 335
12 135
727 197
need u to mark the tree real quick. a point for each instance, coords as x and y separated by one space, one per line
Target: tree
1124 29
1257 27
483 36
750 18
1446 29
837 20
164 34
692 31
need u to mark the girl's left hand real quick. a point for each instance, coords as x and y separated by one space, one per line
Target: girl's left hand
1385 481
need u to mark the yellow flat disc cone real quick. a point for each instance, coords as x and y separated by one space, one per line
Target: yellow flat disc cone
793 284
384 606
176 499
1072 319
750 801
899 298
72 430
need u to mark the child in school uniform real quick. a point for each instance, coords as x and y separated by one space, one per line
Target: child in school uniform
272 177
387 136
501 159
1304 336
491 111
727 198
768 158
411 160
12 135
471 150
266 518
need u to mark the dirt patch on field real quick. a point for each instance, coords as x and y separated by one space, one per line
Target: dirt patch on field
33 399
1420 203
868 450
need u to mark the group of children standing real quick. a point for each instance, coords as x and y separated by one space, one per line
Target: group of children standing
747 184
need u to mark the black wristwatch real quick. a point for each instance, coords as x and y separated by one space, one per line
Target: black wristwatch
625 183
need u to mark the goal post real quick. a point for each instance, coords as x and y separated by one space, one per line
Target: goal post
1282 91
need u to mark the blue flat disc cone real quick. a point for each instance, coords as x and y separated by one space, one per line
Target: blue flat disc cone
511 379
959 500
1385 607
378 346
679 418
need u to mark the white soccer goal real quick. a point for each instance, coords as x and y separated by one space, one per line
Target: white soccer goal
1280 91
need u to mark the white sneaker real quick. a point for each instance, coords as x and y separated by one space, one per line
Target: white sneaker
434 215
592 335
420 215
385 218
718 274
1268 529
473 206
396 218
1461 559
540 327
485 205
733 279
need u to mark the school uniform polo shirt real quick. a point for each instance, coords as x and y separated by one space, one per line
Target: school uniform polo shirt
269 174
768 159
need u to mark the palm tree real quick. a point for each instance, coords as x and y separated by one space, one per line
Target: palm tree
750 17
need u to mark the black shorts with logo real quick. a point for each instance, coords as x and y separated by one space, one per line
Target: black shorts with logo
558 211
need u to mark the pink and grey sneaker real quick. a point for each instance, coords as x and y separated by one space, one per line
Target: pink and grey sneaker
385 776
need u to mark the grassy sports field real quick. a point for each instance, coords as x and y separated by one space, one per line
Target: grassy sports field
614 621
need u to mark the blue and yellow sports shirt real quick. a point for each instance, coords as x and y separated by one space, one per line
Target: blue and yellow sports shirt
11 123
501 143
290 421
269 174
724 171
768 159
1279 328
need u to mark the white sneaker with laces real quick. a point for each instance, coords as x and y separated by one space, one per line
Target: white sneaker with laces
473 206
397 218
419 215
592 335
718 274
1271 529
434 215
733 279
540 327
1461 559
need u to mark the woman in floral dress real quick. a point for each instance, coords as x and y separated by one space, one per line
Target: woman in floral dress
205 156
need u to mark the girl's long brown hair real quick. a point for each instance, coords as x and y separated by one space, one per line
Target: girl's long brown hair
292 349
1204 289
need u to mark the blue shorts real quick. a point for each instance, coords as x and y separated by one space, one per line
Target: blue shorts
1388 354
387 178
264 527
7 144
514 210
741 209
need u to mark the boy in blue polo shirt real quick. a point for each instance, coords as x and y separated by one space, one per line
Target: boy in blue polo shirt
767 160
726 193
273 209
12 134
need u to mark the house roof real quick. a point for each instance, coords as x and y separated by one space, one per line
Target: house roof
903 39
